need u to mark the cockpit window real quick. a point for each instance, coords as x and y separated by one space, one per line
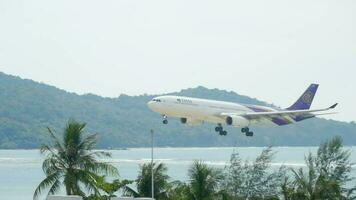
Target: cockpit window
156 100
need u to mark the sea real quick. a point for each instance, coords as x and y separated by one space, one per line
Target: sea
21 172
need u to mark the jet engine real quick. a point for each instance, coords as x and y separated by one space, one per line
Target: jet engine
183 120
237 121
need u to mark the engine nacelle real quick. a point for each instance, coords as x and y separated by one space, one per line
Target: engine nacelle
237 121
183 120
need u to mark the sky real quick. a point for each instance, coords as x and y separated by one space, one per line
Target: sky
270 50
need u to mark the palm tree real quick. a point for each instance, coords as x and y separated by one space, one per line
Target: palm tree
204 181
178 191
71 162
143 182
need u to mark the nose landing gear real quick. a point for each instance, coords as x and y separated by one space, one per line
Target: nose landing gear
165 121
247 132
221 130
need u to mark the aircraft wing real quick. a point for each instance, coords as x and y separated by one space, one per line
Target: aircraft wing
283 114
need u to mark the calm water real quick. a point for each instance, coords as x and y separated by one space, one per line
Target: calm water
20 170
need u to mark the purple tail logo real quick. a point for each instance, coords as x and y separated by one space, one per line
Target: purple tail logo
308 97
305 101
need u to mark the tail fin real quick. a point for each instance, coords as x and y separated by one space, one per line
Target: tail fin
304 102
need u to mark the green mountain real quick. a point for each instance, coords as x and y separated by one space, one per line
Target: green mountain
28 107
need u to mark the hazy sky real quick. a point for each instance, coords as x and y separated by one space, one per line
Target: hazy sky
271 50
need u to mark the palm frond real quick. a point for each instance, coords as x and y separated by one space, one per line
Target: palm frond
128 191
100 154
89 180
57 141
55 187
88 143
106 168
52 164
49 181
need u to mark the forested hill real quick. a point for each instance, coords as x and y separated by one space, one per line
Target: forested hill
28 107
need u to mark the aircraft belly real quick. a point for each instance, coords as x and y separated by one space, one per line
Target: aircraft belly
186 111
196 113
215 120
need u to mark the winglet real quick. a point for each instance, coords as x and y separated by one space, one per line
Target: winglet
333 106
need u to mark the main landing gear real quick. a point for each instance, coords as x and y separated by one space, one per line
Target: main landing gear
165 121
221 130
247 132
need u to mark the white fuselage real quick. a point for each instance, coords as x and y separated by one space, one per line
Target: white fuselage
199 110
193 111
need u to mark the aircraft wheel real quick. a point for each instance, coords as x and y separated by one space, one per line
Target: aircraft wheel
218 128
249 134
245 130
222 132
165 121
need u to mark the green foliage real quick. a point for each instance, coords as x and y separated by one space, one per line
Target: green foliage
26 107
253 180
203 184
109 188
178 191
326 176
203 181
72 163
144 184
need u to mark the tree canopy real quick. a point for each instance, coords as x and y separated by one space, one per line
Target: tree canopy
71 162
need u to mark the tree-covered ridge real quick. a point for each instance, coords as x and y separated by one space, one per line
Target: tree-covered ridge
28 107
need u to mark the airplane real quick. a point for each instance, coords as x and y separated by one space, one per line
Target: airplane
195 111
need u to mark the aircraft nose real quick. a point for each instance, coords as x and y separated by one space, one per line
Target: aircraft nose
150 105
